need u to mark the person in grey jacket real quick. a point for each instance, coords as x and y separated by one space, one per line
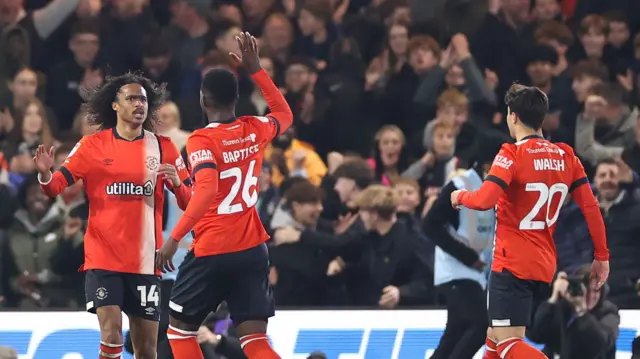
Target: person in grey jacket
607 125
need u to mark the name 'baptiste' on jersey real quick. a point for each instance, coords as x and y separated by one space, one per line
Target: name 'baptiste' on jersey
225 219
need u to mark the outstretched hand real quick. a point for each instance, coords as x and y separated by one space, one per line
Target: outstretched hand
248 56
44 159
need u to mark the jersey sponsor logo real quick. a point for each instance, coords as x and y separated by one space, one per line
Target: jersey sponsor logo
180 163
545 149
547 164
237 141
199 156
130 189
239 155
502 161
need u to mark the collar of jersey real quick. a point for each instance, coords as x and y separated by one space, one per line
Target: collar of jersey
532 136
117 136
218 123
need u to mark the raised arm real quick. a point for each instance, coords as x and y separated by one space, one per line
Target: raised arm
74 167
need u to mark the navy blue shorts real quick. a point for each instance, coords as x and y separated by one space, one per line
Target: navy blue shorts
136 294
240 278
513 301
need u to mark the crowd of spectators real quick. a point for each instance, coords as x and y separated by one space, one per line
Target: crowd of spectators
390 98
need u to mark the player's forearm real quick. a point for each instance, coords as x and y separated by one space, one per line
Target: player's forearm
483 199
53 184
203 197
278 106
591 211
183 196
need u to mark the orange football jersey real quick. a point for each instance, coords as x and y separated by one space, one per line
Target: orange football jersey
537 176
125 197
235 149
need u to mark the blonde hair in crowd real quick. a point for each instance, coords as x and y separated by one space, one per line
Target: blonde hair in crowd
390 128
380 199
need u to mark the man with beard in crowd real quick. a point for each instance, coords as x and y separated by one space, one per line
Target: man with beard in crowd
614 183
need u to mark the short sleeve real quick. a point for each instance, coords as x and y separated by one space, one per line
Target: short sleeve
76 165
503 168
578 175
200 153
174 158
268 126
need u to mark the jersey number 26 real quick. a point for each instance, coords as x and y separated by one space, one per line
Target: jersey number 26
545 199
242 182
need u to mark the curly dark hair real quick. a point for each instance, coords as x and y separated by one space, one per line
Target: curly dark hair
98 108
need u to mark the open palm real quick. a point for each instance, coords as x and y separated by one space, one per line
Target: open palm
44 158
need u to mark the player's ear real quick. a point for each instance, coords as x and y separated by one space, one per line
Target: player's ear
115 106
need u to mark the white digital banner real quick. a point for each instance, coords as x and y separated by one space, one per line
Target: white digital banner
393 334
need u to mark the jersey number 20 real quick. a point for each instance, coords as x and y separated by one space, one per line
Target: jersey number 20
242 182
545 199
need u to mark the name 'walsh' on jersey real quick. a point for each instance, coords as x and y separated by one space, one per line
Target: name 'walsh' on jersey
536 177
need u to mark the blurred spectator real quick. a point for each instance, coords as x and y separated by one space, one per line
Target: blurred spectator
318 32
189 31
278 39
577 321
24 86
606 126
32 240
70 78
619 208
574 248
36 27
546 10
158 64
217 337
391 267
631 154
619 36
540 67
433 169
453 109
458 70
464 243
31 129
351 178
291 157
73 196
390 158
303 272
268 195
8 353
168 124
560 38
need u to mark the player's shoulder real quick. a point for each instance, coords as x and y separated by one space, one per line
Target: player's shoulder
566 148
97 138
255 120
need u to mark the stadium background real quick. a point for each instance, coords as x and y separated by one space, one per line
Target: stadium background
364 78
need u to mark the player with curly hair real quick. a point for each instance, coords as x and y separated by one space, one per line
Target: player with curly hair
124 168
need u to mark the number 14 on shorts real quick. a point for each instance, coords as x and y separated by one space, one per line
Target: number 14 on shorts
150 295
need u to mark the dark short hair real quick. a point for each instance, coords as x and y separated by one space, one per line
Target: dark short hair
529 103
304 192
219 88
591 68
85 27
357 170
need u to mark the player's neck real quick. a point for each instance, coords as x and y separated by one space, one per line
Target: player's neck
128 132
221 116
522 133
